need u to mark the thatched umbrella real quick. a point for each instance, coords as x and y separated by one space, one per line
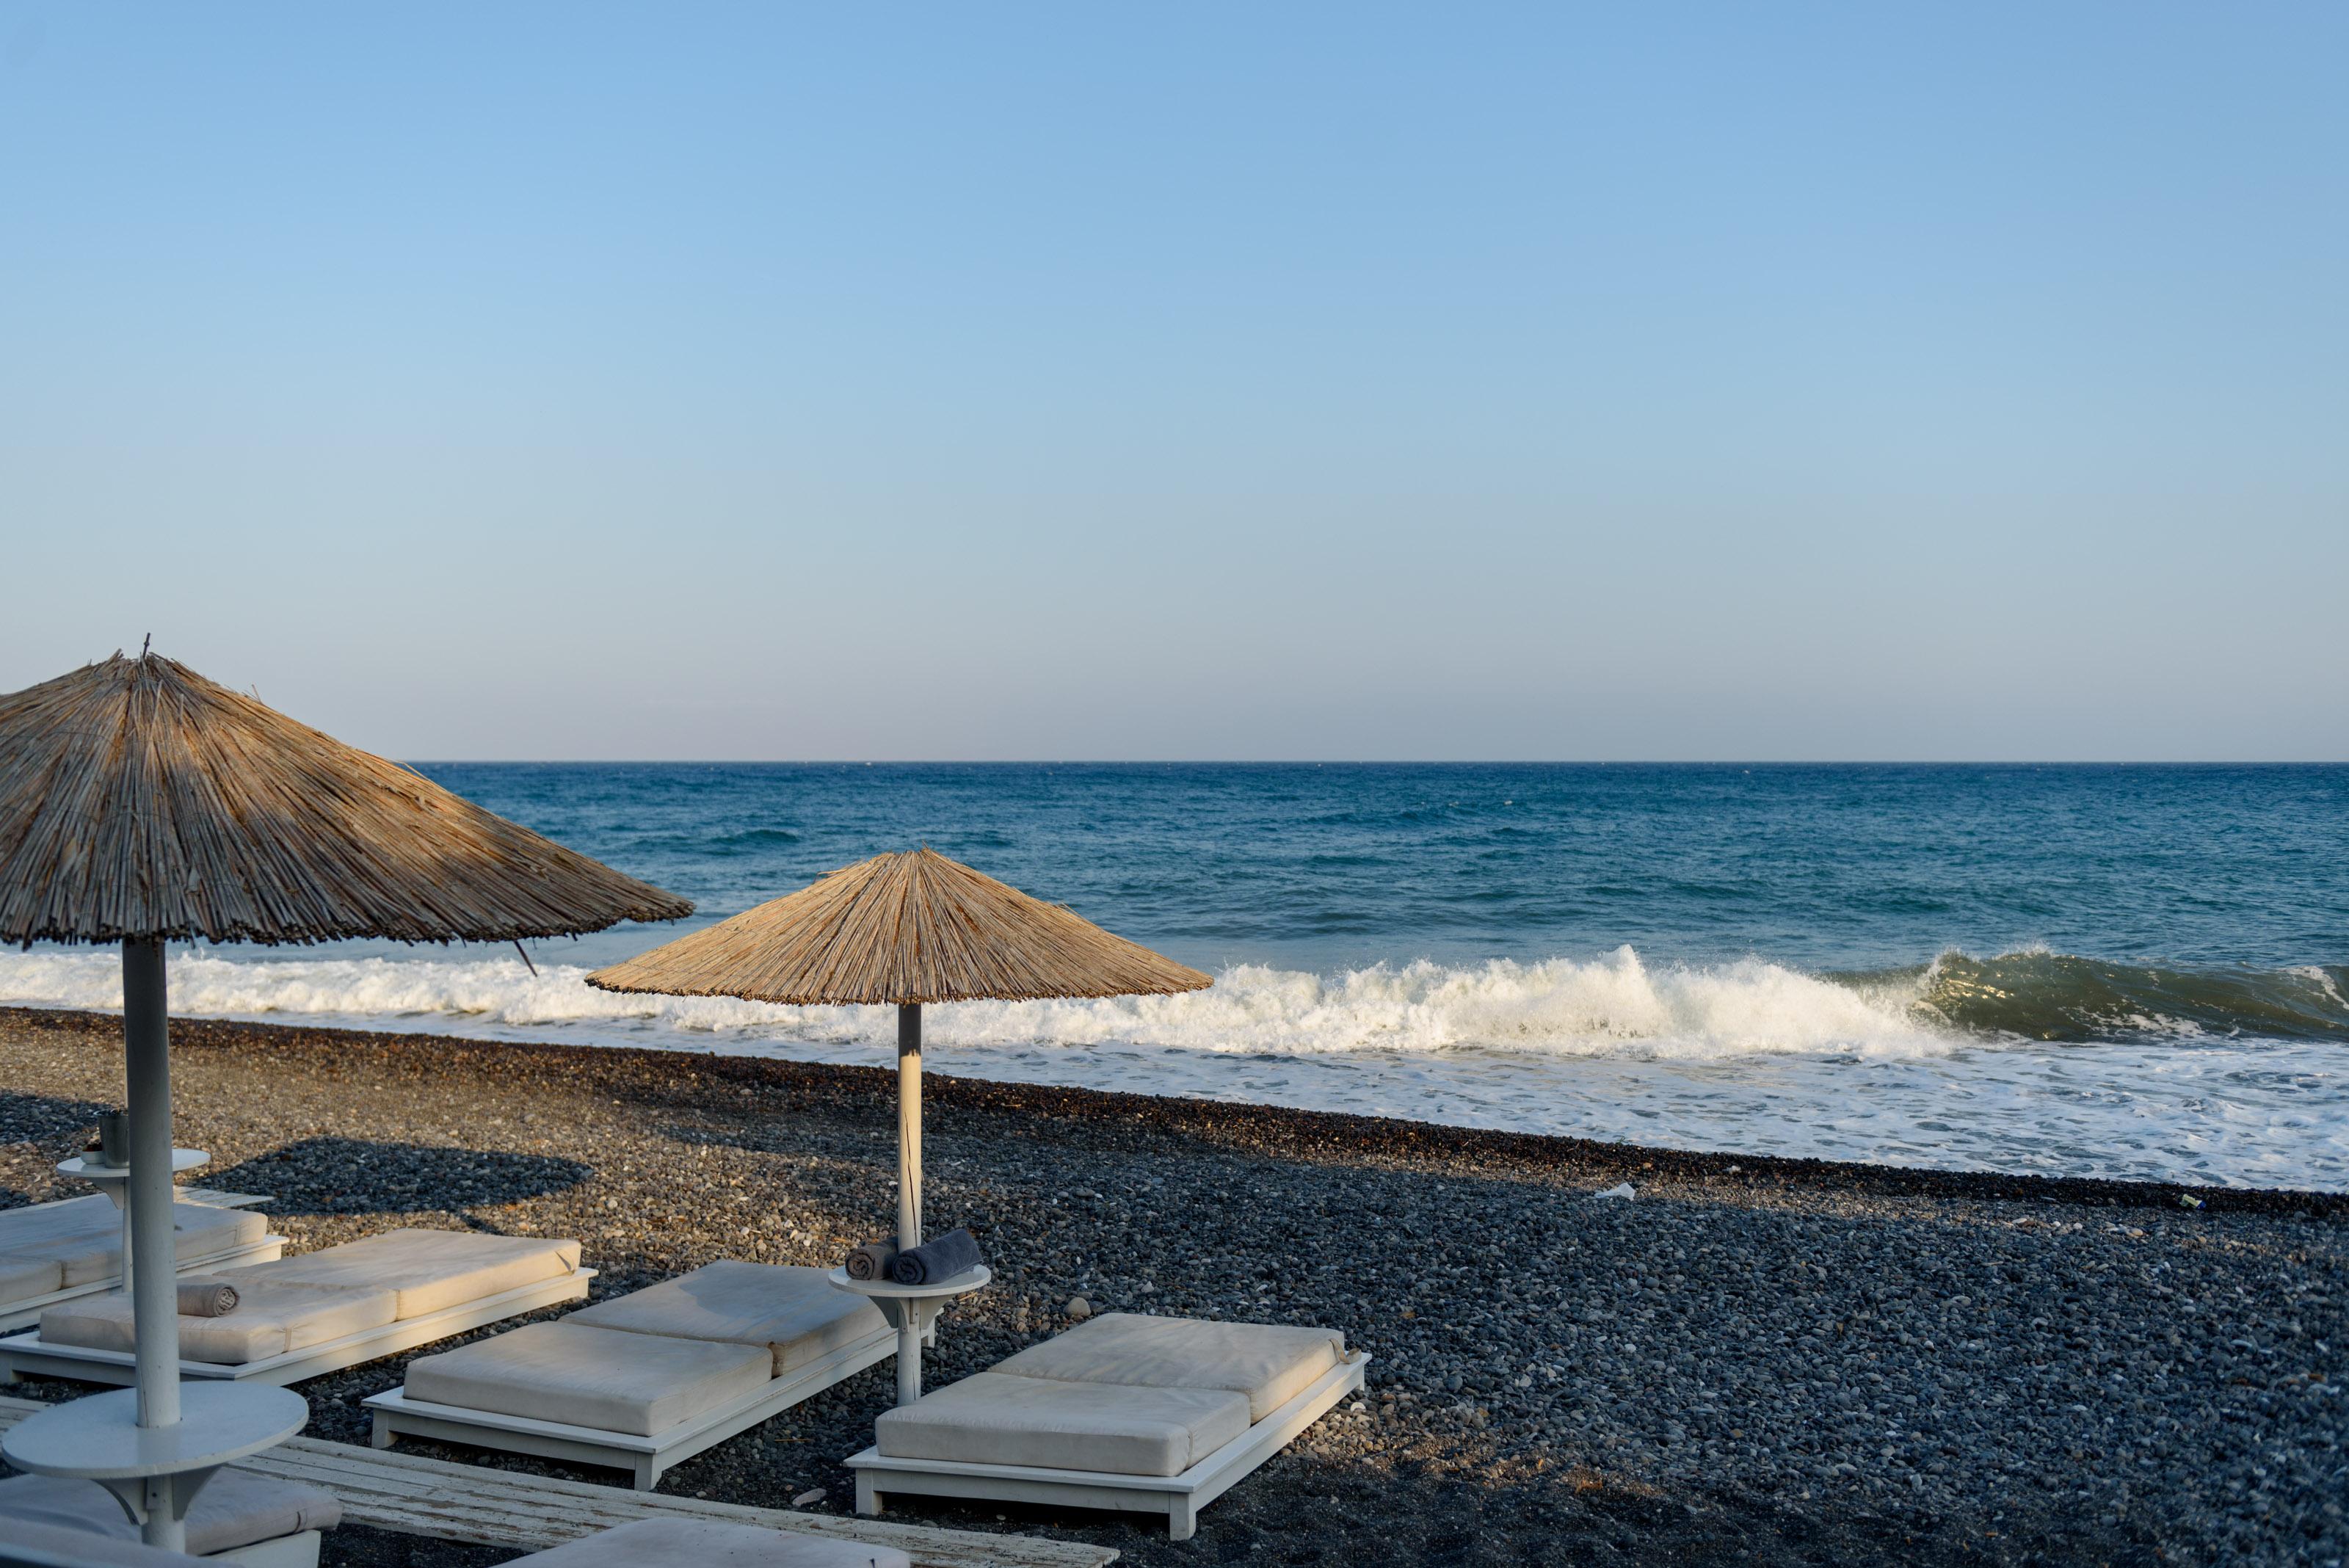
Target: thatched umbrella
141 802
904 929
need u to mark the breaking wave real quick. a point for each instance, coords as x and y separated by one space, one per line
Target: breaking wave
2057 997
1614 1005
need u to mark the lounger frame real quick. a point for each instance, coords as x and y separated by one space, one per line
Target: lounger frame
27 1309
26 1354
299 1550
1178 1496
646 1458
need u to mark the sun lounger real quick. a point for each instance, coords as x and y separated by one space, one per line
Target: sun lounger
643 1381
1147 1415
303 1316
52 1252
708 1543
79 1536
25 1545
254 1521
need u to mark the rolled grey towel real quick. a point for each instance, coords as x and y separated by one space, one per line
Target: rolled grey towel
940 1259
872 1261
201 1296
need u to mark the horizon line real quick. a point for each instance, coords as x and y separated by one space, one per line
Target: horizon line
1747 762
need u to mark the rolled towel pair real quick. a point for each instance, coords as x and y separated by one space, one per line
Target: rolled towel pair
202 1297
941 1259
872 1261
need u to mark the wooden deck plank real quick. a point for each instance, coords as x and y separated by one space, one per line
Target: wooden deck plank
418 1496
213 1196
216 1198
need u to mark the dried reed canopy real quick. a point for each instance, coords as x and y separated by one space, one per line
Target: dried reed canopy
139 799
915 927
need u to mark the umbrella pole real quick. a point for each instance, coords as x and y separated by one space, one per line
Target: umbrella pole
155 1268
908 1314
909 1125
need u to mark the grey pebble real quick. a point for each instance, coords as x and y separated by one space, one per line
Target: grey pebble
1749 1363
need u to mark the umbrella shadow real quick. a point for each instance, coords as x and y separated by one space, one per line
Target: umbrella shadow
41 1118
323 1175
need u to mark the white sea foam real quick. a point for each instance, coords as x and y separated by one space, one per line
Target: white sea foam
1749 1057
1615 1005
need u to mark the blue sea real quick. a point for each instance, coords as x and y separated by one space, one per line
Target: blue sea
2123 971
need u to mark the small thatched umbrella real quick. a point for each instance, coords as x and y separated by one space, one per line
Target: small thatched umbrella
141 802
904 929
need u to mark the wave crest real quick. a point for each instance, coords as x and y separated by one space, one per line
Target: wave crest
1615 1005
2041 995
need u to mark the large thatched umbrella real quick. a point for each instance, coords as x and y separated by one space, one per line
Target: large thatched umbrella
141 802
904 929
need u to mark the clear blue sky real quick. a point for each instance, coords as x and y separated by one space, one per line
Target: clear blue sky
1093 380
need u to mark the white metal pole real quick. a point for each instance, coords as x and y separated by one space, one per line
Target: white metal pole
909 1125
909 1191
147 1047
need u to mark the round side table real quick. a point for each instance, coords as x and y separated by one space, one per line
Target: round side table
155 1471
114 1180
911 1309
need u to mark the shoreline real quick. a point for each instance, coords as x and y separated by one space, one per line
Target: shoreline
1747 1056
1366 1135
1755 1360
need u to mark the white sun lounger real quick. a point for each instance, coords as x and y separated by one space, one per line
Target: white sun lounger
708 1543
253 1520
321 1312
52 1252
640 1544
1145 1415
647 1380
29 1545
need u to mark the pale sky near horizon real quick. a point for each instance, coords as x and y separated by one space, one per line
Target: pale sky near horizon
1345 381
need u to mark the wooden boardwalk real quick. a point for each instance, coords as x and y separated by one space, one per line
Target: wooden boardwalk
418 1496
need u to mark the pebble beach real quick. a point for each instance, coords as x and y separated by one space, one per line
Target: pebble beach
1744 1360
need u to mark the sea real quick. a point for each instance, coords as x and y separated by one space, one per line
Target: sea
2132 971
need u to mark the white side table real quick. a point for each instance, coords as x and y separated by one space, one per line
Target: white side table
911 1309
155 1472
114 1180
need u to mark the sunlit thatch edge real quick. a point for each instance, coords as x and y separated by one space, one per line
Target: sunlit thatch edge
911 926
140 799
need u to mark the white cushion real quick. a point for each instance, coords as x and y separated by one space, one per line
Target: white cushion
269 1320
87 1244
86 1551
45 1221
708 1543
640 1384
203 1229
235 1508
791 1310
995 1420
1269 1363
21 1278
83 1239
430 1270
